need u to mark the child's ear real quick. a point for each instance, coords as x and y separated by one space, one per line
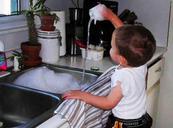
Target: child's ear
123 61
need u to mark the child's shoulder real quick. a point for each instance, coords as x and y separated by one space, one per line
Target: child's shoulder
130 70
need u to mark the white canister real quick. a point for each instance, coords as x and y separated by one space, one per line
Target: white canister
50 45
60 25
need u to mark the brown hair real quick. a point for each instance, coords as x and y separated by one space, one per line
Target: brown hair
135 43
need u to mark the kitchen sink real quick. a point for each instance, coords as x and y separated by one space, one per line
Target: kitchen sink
89 76
22 107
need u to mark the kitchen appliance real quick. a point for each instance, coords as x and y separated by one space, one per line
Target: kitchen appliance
101 32
75 31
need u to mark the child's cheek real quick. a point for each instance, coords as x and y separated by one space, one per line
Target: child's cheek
112 53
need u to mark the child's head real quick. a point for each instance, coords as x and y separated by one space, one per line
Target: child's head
133 45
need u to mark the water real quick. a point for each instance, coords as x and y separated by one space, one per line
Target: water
86 51
1 124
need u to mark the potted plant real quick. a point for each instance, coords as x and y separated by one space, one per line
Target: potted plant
31 48
47 18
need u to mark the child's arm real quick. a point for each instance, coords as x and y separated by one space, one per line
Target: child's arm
103 102
101 12
112 17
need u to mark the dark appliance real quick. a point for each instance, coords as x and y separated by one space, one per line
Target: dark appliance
101 32
74 31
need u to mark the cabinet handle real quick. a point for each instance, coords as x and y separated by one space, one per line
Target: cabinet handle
158 70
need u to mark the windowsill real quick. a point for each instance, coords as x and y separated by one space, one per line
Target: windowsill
12 24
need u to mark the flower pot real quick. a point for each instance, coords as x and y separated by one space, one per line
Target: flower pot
31 54
47 23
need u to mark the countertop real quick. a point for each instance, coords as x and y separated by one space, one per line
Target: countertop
102 65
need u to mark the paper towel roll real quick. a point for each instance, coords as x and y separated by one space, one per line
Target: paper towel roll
60 25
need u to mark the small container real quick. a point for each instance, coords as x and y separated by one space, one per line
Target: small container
95 55
3 61
50 41
16 64
91 47
96 12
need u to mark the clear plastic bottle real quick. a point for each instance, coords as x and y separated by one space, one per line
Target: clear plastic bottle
16 64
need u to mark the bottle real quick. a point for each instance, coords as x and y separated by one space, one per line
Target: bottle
16 64
3 62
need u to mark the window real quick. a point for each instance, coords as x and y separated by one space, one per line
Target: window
10 18
9 7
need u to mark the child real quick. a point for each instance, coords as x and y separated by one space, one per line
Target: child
132 47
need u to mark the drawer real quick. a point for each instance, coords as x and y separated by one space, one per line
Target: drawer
154 73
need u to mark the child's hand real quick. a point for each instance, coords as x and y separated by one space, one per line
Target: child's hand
75 94
97 12
101 12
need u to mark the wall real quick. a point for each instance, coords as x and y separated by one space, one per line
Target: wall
12 40
154 14
165 108
63 5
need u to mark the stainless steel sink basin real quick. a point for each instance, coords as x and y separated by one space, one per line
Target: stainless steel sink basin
22 107
77 73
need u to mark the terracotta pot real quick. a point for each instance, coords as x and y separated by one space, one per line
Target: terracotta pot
47 23
31 54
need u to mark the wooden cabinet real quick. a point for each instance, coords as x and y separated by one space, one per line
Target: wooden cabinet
153 88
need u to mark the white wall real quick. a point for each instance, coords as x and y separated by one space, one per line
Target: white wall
13 40
62 5
154 14
165 108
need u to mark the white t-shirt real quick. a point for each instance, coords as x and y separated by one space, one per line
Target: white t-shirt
133 85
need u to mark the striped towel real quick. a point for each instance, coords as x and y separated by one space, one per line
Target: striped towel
81 115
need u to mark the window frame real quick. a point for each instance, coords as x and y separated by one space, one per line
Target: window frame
14 23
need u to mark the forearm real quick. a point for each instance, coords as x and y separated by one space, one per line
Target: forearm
115 20
101 102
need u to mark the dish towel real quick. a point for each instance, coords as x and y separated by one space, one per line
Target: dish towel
77 114
81 115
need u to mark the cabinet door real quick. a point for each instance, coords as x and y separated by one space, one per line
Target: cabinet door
154 73
152 101
153 88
